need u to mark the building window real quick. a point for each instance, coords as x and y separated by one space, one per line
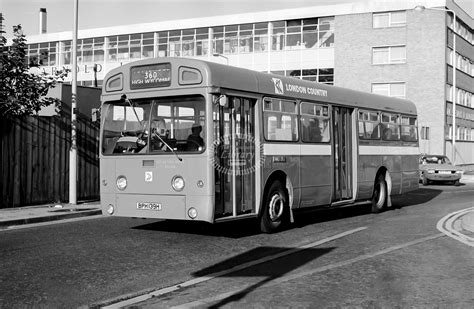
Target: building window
218 40
86 46
324 76
326 32
260 39
246 38
425 133
449 93
396 90
175 43
98 49
123 47
148 40
65 52
389 55
310 32
43 54
202 41
188 42
112 48
278 35
293 34
231 41
163 44
389 19
135 46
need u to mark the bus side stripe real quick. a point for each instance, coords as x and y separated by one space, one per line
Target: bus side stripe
388 150
296 149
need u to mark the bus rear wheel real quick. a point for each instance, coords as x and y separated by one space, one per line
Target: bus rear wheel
275 208
379 197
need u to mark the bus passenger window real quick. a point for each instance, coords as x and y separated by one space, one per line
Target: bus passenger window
391 127
408 129
369 125
314 122
280 120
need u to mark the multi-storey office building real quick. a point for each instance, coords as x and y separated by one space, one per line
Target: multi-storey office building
383 47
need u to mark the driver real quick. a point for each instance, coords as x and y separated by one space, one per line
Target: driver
158 130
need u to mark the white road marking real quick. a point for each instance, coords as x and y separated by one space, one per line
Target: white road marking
195 281
210 300
446 226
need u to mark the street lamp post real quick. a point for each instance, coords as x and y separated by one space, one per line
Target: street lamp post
73 150
421 8
220 55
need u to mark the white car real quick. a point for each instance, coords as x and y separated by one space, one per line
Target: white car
438 168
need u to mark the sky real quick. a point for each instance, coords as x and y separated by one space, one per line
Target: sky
107 13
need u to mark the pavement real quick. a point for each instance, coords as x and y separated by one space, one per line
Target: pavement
20 216
28 215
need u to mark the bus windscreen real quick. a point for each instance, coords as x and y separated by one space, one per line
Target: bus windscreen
156 125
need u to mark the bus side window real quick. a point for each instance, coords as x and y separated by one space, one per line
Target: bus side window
408 129
391 127
314 122
280 120
369 125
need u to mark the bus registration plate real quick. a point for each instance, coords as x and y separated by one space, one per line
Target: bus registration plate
148 206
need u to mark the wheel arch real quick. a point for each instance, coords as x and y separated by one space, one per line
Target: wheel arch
285 180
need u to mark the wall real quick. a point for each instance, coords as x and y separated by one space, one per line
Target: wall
34 156
424 71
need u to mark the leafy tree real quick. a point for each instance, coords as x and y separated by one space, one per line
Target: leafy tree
23 92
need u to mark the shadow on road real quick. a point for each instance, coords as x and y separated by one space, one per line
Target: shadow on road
420 196
249 227
232 229
270 271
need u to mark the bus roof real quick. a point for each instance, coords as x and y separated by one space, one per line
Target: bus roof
230 77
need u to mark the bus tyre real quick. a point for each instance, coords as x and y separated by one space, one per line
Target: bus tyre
275 210
379 197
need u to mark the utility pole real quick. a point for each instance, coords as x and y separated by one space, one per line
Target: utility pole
73 150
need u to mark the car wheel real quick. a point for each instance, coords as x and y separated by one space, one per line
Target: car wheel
456 182
424 181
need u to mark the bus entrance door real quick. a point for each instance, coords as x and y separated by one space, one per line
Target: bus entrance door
342 149
235 157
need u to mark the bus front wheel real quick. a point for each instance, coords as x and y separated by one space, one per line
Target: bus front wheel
379 197
274 209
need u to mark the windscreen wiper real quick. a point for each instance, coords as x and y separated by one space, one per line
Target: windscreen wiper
133 108
168 146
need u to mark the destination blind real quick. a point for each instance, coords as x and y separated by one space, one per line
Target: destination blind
150 76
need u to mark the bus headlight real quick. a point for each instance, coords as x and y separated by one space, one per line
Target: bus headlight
177 183
121 182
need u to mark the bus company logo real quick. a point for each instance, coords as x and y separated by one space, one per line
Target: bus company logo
148 176
278 85
243 161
